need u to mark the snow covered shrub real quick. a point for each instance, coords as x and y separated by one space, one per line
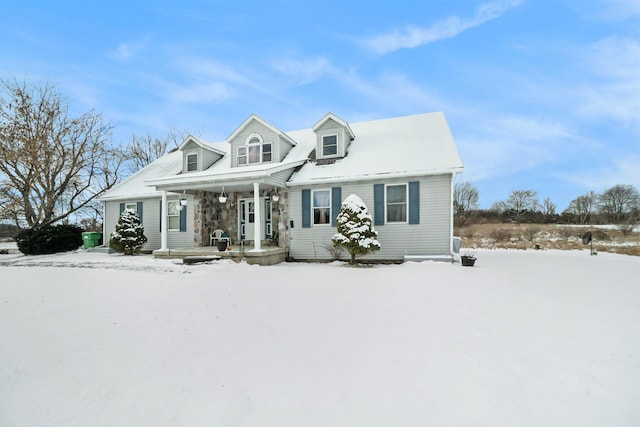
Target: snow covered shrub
355 229
129 235
49 239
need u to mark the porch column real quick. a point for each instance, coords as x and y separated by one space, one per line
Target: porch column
257 224
164 227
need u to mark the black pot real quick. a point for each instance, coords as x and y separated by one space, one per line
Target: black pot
468 261
222 245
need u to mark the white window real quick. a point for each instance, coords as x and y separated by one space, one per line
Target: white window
266 152
255 151
173 215
396 200
321 207
133 206
192 162
329 145
242 156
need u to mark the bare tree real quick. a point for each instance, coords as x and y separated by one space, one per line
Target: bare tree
582 207
465 200
618 201
520 202
51 164
548 209
144 150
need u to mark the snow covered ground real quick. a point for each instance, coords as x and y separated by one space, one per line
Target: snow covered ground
524 338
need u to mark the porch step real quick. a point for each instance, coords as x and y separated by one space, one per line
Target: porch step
418 258
200 259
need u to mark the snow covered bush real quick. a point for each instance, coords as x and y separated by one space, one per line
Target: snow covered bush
129 234
355 229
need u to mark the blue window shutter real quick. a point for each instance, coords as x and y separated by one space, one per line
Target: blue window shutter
414 202
336 203
183 219
121 208
306 208
378 204
160 222
139 210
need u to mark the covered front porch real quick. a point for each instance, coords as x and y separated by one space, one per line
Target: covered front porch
268 255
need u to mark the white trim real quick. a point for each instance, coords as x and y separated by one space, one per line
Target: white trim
172 216
406 203
313 191
186 161
163 223
329 156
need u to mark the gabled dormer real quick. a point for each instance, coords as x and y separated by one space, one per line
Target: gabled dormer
198 156
256 141
333 136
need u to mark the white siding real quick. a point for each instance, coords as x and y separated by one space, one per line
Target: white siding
331 127
431 237
280 148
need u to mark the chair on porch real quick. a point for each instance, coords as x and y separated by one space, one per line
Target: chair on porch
217 236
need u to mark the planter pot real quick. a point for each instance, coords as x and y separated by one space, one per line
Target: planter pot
468 261
222 245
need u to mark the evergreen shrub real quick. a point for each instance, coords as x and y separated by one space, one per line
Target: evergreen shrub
49 239
129 234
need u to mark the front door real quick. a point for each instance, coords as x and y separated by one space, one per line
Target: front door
247 218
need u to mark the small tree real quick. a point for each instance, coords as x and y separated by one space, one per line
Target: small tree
355 229
129 234
519 203
465 201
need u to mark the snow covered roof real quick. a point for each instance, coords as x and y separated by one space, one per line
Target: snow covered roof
135 187
195 140
404 146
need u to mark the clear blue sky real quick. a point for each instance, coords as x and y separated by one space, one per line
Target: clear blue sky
541 95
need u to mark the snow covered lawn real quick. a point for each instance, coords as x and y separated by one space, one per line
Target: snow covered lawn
524 338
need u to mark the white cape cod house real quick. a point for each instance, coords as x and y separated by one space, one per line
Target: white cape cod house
270 190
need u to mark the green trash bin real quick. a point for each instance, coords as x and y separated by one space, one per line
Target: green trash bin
91 239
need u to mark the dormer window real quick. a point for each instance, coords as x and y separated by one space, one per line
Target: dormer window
192 162
329 145
255 151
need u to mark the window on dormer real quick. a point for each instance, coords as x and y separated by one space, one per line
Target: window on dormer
329 145
266 152
255 151
192 162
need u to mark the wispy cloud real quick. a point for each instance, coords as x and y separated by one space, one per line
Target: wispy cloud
305 70
127 50
621 9
509 144
615 90
202 93
413 36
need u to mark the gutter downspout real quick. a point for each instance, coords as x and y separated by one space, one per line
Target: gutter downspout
453 178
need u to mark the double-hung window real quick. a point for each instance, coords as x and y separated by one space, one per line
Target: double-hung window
242 156
173 215
396 200
192 162
266 152
329 145
321 207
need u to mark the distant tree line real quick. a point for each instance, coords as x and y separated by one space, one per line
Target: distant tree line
619 204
